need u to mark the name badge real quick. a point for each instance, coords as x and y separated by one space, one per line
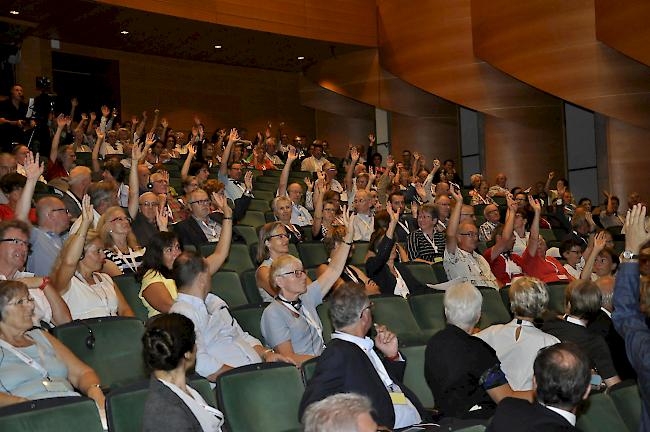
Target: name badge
561 276
397 398
56 386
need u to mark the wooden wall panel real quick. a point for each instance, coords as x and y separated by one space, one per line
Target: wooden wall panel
429 44
623 25
344 21
434 138
221 95
552 45
341 131
629 160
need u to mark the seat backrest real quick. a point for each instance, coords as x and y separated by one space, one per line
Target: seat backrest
116 354
359 251
429 311
556 292
130 289
261 394
249 285
226 284
247 232
414 374
249 318
627 399
599 414
548 235
253 218
293 250
264 194
312 254
239 260
259 205
492 309
439 270
394 312
323 311
70 414
308 368
422 272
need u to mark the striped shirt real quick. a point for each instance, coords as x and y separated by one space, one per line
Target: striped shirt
127 262
420 245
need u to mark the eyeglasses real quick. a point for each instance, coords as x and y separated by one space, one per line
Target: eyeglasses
201 202
467 214
150 204
16 241
296 273
283 235
370 306
121 219
469 234
23 301
61 210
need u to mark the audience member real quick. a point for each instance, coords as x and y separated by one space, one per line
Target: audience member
350 363
35 365
364 220
602 261
120 245
421 243
300 216
342 412
170 353
282 210
273 243
221 343
500 189
315 162
465 377
582 303
627 317
517 343
62 158
290 324
492 216
561 381
230 173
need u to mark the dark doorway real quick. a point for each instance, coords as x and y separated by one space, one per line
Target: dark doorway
94 82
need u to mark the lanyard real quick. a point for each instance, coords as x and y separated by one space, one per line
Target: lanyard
405 227
24 358
430 240
125 259
307 316
348 271
103 298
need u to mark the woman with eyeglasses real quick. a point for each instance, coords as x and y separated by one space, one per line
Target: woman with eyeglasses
158 289
325 212
78 275
290 324
421 243
282 207
121 246
34 364
273 243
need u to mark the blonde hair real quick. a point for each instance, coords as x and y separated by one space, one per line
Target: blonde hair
104 228
91 236
279 266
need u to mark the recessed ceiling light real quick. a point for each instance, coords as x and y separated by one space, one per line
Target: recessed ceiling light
14 12
217 46
124 32
301 57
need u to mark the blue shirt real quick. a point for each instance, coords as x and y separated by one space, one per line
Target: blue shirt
45 248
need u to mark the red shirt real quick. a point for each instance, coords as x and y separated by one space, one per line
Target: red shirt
54 170
499 267
7 213
548 269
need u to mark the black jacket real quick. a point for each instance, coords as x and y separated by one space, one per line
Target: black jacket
518 415
378 271
164 410
344 368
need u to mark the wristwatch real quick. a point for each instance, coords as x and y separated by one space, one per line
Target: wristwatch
629 255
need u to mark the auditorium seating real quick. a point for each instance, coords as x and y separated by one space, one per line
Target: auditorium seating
599 414
70 414
227 285
130 288
261 397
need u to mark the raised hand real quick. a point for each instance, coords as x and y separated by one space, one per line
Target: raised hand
321 176
74 102
347 217
162 218
197 120
600 241
635 232
419 189
33 169
86 211
436 165
156 111
84 117
137 152
144 115
100 134
510 200
234 135
372 138
390 162
293 154
309 183
456 195
534 204
551 175
221 203
61 121
165 175
248 180
114 112
134 120
386 341
191 150
150 139
105 111
354 155
164 123
93 116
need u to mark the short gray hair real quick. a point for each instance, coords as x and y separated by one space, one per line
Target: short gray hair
528 297
463 305
346 304
336 413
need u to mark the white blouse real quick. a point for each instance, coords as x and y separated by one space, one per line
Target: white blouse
91 301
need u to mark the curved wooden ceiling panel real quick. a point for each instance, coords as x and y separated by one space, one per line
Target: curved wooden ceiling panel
552 45
623 25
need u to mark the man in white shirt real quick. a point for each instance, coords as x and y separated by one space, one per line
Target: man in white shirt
221 342
460 260
500 189
299 214
364 222
351 364
315 162
562 381
230 174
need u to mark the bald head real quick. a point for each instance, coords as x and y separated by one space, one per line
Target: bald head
7 164
79 174
501 180
52 214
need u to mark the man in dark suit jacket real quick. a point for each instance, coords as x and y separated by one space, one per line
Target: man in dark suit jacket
350 363
561 380
193 230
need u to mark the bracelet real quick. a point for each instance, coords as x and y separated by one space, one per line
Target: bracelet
393 358
349 244
94 385
227 218
46 280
